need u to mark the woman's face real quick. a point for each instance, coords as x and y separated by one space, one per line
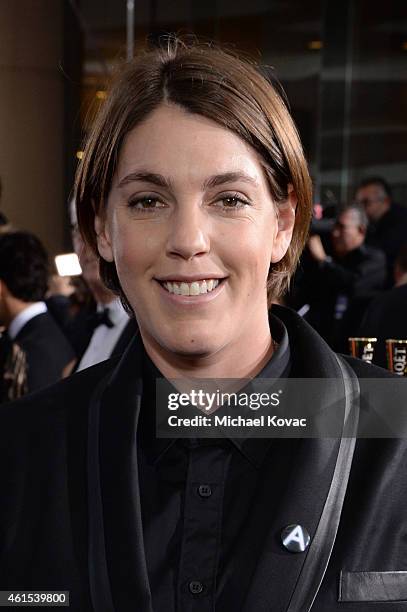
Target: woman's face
192 228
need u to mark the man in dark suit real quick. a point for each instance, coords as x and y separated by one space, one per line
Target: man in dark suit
33 350
387 229
340 286
104 329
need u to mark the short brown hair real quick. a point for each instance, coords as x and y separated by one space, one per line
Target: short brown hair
216 84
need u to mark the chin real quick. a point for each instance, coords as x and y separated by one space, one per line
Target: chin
192 345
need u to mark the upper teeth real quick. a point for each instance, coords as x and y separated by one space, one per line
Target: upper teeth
194 288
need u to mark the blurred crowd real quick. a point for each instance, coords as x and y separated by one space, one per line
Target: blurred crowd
52 326
351 283
352 280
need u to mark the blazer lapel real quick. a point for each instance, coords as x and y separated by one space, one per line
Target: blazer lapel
117 565
307 487
320 551
316 486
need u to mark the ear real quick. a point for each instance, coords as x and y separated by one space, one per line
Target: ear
103 237
285 226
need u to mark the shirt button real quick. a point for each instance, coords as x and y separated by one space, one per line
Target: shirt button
204 490
195 587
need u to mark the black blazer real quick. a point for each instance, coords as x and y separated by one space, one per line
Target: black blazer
70 509
47 351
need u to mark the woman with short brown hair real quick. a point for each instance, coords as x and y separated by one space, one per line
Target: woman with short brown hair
195 195
216 84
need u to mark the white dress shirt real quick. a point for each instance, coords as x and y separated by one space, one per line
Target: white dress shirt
105 338
25 315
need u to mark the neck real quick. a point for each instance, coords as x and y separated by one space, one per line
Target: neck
15 307
342 254
244 358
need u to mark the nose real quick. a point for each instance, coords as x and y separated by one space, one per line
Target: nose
188 233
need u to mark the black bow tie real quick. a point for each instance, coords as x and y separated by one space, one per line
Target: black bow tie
100 318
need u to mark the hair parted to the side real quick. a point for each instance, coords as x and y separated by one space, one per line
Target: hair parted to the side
214 83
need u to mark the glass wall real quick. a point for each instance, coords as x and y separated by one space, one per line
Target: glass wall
342 64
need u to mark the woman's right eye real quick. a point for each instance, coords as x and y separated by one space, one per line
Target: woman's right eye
146 203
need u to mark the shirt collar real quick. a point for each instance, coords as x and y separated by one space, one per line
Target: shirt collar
254 449
24 316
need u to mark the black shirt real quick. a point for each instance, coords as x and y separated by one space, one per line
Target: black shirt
207 503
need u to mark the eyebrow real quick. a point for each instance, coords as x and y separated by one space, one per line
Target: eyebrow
146 177
212 181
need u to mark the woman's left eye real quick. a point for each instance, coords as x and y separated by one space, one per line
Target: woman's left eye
232 202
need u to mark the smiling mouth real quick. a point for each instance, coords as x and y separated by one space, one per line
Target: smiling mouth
194 288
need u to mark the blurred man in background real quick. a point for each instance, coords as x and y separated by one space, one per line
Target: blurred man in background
340 286
33 350
387 229
106 328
